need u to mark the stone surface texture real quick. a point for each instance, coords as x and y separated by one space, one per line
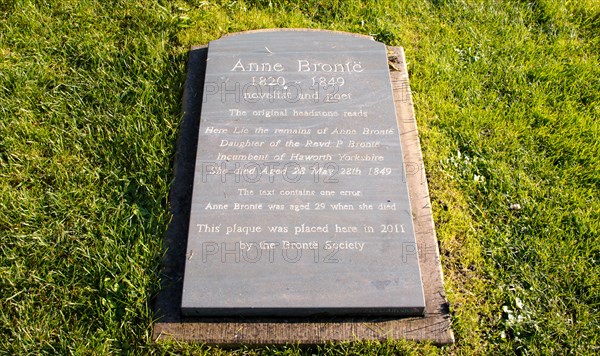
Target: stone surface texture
300 204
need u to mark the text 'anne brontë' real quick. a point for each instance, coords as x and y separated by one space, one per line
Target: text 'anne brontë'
303 66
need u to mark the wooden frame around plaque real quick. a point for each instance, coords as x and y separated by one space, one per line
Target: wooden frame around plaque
434 326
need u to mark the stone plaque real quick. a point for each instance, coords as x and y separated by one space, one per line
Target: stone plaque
300 204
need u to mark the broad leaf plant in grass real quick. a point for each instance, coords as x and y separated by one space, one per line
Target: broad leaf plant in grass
507 101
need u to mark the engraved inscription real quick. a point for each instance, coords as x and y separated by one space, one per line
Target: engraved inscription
347 144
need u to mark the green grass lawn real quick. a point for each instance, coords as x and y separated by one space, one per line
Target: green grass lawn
507 98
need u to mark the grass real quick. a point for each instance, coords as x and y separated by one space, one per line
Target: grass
507 96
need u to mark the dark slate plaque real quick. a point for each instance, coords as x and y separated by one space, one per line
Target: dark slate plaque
300 204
